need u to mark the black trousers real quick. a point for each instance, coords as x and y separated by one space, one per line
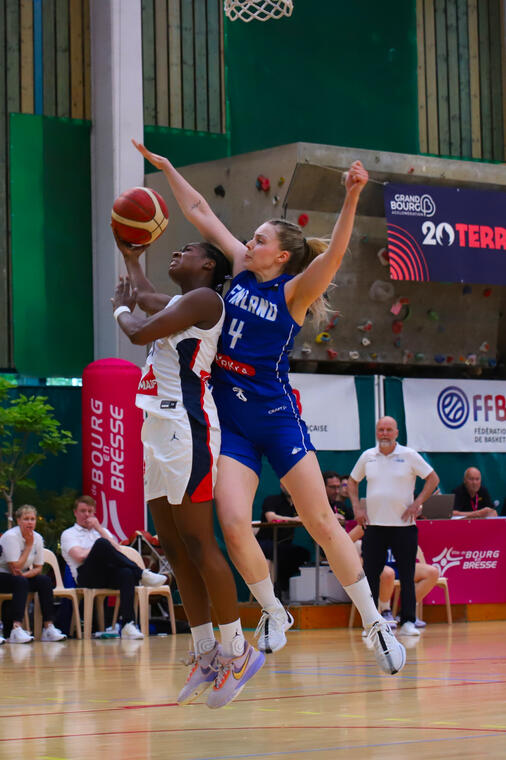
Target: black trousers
19 587
106 567
403 541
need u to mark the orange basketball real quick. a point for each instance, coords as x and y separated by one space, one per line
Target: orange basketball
139 215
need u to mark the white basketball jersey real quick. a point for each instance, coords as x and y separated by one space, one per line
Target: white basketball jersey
174 378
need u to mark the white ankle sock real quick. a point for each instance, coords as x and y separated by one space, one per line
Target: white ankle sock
232 638
360 594
263 591
203 638
382 606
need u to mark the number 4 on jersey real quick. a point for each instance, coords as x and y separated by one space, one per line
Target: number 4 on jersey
235 331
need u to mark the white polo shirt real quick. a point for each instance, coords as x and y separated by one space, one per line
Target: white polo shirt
390 482
13 545
78 536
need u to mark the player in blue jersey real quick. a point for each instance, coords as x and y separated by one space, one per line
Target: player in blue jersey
279 276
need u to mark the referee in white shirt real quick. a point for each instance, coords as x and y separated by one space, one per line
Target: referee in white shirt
389 517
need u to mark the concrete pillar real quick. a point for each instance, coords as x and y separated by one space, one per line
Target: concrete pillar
117 113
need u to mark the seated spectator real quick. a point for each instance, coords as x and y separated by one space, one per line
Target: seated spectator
471 498
21 564
277 508
95 561
342 510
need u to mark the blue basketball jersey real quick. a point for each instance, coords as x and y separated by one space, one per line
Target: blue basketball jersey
257 336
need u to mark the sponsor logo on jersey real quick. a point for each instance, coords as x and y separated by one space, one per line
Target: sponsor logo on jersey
277 409
296 449
225 362
261 307
166 404
239 393
148 385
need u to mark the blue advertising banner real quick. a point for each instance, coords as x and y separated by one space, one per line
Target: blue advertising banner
446 234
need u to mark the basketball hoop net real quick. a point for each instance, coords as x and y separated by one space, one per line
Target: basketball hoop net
261 10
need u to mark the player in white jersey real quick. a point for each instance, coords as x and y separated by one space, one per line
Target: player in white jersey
181 438
279 276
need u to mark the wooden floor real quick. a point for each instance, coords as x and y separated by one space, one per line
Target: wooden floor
321 697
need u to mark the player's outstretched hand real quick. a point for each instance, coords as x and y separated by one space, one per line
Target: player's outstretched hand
356 179
123 296
159 162
129 251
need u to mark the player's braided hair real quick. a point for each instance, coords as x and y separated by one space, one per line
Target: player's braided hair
302 251
222 270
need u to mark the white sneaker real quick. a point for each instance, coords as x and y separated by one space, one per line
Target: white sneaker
52 634
20 636
408 629
390 654
152 579
130 631
420 623
2 640
271 629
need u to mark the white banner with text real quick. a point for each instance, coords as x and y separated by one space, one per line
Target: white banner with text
455 415
329 409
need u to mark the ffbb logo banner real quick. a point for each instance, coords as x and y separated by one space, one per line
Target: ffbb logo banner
446 234
455 415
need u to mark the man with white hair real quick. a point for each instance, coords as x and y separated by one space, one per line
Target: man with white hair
389 515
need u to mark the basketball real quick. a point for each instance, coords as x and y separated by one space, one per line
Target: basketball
139 215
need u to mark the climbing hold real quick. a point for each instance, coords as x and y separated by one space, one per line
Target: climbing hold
303 220
322 337
383 256
306 349
334 320
487 292
439 358
419 356
331 353
281 181
365 326
275 200
484 347
381 291
220 191
397 343
365 341
471 360
397 326
354 355
492 363
263 183
432 314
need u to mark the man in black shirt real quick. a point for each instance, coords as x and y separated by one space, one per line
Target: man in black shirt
342 510
279 508
472 500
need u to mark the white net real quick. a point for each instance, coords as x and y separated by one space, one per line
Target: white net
260 10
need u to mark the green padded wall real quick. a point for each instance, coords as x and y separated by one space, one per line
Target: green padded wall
50 188
335 72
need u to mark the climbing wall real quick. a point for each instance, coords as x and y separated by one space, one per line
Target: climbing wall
372 322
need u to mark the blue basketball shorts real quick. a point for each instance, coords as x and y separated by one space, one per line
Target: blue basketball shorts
252 427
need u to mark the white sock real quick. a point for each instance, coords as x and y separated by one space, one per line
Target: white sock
382 606
203 638
263 591
360 594
232 638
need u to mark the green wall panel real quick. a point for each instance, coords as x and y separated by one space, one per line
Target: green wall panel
334 72
185 146
51 245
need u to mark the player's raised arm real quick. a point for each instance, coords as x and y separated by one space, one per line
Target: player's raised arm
197 210
201 307
309 285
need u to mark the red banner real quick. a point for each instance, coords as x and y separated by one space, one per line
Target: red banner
112 447
471 554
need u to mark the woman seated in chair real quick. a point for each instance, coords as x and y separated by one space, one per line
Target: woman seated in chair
21 573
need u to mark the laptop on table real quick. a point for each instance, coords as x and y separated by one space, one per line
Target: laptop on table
438 507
